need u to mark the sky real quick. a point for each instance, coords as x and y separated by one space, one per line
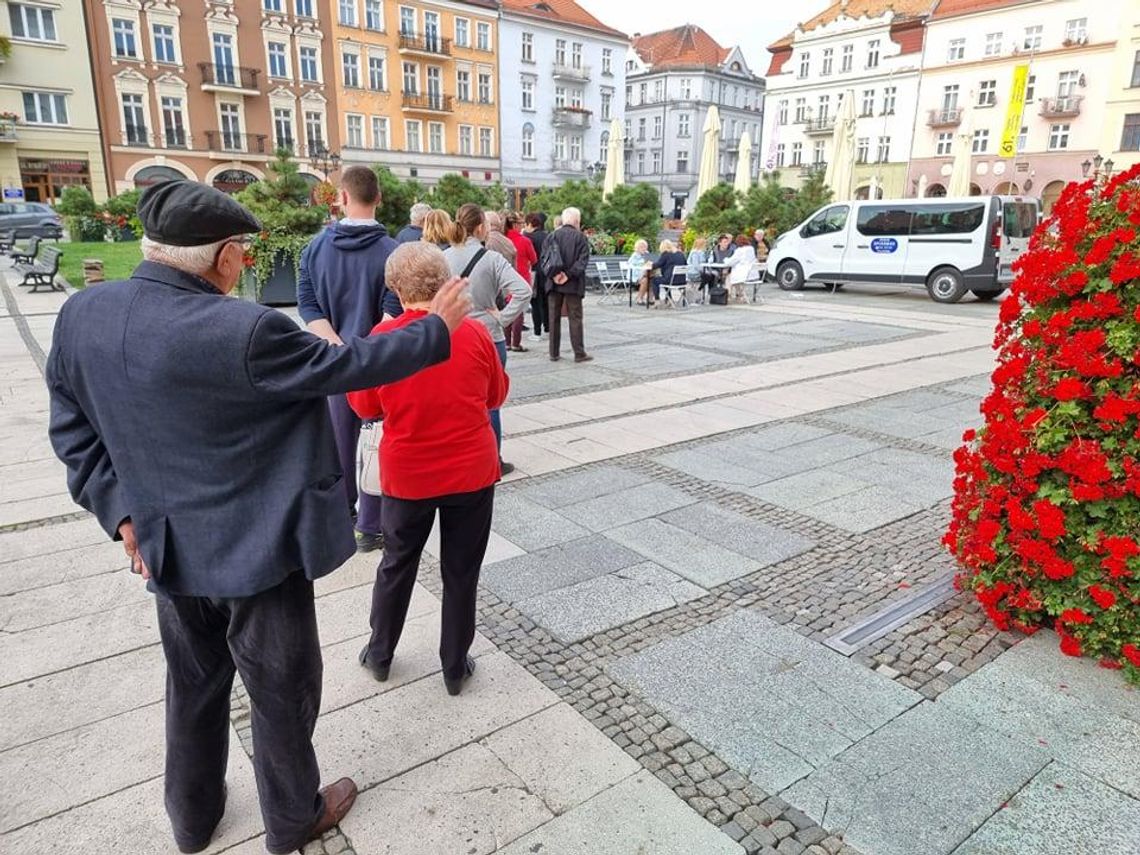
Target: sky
725 20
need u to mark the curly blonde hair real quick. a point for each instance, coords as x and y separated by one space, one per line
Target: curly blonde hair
416 271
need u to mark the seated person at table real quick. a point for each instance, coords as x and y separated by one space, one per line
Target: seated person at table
739 266
721 253
667 261
438 453
639 266
698 257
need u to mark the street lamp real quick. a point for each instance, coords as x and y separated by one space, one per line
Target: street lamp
324 160
1085 167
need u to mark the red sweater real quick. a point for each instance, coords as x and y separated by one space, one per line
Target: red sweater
525 256
437 433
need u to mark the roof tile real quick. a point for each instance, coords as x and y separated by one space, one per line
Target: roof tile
687 45
559 11
858 8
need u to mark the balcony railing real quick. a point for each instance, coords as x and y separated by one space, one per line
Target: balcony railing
575 166
947 117
238 143
228 77
428 102
1060 108
571 117
730 143
822 125
809 169
8 131
571 72
430 45
136 135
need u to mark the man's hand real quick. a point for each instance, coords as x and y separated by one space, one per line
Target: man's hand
325 330
452 303
560 279
131 547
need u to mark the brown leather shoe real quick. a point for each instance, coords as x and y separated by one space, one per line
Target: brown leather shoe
339 798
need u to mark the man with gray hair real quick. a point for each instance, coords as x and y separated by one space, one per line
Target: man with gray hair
564 260
194 427
415 229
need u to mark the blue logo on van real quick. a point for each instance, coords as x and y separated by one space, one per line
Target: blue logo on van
884 245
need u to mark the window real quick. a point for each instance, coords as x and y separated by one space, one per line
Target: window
684 122
575 148
347 10
957 50
981 141
483 36
824 108
560 98
380 132
641 163
560 146
350 65
641 130
1023 138
828 61
164 43
782 113
683 162
412 132
1077 30
314 136
576 55
373 14
231 127
1130 138
657 127
993 44
949 99
805 64
818 154
628 94
44 108
463 86
124 34
376 73
407 24
1135 70
528 94
987 93
801 110
435 137
848 58
780 155
465 139
309 64
560 52
1058 137
411 78
862 149
658 91
173 124
868 103
282 127
884 153
797 154
945 144
485 147
901 220
686 88
607 61
873 53
435 86
528 141
826 222
1032 39
607 106
304 8
484 88
656 161
528 47
463 32
1030 87
272 5
32 22
1067 85
276 59
643 93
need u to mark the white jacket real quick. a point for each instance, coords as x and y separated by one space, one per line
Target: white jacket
740 263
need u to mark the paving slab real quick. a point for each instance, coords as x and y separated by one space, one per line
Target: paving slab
344 614
921 784
531 526
1060 812
864 510
804 489
32 542
40 571
626 506
50 604
557 567
766 544
699 560
603 602
638 816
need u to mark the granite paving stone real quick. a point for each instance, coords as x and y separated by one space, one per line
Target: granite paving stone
626 506
864 510
557 567
50 604
52 568
530 525
581 486
763 543
33 542
697 559
804 489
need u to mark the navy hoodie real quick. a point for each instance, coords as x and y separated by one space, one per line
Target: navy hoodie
342 279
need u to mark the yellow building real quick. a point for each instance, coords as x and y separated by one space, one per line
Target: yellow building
417 86
49 127
1120 141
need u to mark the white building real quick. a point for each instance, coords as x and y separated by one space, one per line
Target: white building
563 75
870 49
673 77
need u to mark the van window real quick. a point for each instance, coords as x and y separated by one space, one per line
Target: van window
1019 219
826 222
903 220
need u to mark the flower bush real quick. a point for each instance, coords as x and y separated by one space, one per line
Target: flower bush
1046 514
601 243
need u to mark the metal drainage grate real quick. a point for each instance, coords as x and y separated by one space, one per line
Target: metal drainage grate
892 617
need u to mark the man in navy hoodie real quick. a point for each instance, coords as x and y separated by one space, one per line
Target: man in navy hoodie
341 295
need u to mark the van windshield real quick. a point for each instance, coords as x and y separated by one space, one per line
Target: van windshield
1019 219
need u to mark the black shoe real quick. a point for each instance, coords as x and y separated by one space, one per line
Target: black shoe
454 687
369 542
191 848
584 358
380 672
506 468
556 359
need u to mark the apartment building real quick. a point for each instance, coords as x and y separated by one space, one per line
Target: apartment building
672 78
869 50
563 74
1120 125
49 126
207 89
417 86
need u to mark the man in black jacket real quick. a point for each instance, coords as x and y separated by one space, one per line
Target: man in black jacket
566 284
536 232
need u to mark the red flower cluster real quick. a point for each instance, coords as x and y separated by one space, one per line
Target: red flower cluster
1046 515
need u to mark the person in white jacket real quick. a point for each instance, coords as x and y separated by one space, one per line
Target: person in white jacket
739 266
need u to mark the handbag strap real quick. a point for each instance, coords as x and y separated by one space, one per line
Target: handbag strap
475 259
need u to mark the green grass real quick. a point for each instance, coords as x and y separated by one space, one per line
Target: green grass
119 259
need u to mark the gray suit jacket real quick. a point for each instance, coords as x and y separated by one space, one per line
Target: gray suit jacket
203 419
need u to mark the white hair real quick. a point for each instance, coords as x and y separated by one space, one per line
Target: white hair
493 220
418 212
192 259
572 217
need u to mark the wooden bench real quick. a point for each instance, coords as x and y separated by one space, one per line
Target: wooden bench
41 272
28 254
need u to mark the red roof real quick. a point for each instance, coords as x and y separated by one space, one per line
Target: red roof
903 9
780 58
952 8
561 12
684 46
908 36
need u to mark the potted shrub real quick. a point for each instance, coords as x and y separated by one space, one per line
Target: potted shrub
121 215
289 221
81 215
1047 494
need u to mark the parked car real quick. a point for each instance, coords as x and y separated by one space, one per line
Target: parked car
30 218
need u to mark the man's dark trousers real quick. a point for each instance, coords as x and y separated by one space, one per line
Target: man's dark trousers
346 427
538 306
271 639
464 529
573 305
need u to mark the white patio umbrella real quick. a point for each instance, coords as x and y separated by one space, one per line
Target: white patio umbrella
840 173
743 182
707 177
615 158
923 181
873 189
959 183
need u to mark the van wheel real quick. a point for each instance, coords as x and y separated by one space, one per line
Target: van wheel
790 276
945 285
988 296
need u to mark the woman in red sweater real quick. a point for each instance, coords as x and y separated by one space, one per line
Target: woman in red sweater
526 259
438 452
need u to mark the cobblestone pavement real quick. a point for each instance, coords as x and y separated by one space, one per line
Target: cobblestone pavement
697 515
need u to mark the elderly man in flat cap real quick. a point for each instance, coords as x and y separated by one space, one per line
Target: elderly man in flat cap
195 428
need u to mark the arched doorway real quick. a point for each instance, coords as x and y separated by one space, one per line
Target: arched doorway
233 180
1050 195
975 190
1006 188
863 193
149 175
935 191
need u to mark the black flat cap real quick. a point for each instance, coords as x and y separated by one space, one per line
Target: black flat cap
186 213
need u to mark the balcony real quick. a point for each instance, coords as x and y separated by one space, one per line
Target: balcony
569 166
810 169
428 45
572 117
229 78
730 143
820 126
8 131
429 102
227 141
947 117
1061 108
580 73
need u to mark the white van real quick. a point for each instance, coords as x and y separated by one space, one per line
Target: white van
950 246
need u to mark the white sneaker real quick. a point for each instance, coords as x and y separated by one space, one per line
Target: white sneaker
536 336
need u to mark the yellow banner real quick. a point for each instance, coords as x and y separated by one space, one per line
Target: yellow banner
1012 128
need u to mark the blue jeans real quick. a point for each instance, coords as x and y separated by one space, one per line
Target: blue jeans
496 421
